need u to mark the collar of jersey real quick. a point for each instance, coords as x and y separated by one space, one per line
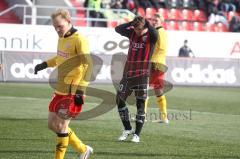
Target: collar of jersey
70 32
159 27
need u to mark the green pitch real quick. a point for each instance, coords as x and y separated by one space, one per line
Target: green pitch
204 123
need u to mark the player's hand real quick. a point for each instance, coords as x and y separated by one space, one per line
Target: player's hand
79 98
40 67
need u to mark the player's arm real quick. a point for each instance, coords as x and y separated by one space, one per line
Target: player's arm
82 49
49 63
152 31
124 30
163 41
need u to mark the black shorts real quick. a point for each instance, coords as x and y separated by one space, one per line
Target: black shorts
137 84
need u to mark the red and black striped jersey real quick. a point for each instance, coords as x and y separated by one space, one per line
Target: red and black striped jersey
140 49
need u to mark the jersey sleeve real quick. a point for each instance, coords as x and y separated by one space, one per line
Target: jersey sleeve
82 49
124 30
153 33
52 62
162 37
160 50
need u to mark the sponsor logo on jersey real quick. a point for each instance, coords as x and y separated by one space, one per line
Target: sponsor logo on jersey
67 45
62 54
136 46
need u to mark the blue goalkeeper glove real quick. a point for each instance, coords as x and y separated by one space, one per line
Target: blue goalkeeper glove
40 67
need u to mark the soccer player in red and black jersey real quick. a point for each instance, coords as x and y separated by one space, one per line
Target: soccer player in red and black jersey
142 37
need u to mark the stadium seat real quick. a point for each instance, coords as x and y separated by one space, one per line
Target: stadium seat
150 12
174 4
188 4
80 22
141 12
200 16
187 26
198 26
112 24
164 13
187 14
210 27
172 25
75 3
220 27
164 25
131 5
9 17
174 14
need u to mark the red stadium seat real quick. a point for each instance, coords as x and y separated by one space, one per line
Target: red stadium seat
8 17
187 14
172 25
210 27
80 22
164 13
220 27
131 5
112 24
187 26
198 26
175 14
150 12
164 25
75 3
199 15
141 12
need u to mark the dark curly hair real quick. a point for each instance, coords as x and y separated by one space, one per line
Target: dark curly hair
137 21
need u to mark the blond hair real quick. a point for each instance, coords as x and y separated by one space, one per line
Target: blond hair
159 16
63 13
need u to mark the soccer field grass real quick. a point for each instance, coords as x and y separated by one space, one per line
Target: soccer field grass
204 123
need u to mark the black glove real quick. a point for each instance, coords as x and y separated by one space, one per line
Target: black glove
78 100
40 67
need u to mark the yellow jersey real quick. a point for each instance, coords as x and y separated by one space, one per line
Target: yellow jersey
160 49
73 62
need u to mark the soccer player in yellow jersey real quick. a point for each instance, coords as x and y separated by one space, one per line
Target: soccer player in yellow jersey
158 67
70 87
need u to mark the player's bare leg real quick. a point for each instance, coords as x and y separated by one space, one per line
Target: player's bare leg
60 127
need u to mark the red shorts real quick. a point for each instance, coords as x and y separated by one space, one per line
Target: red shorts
157 79
64 104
